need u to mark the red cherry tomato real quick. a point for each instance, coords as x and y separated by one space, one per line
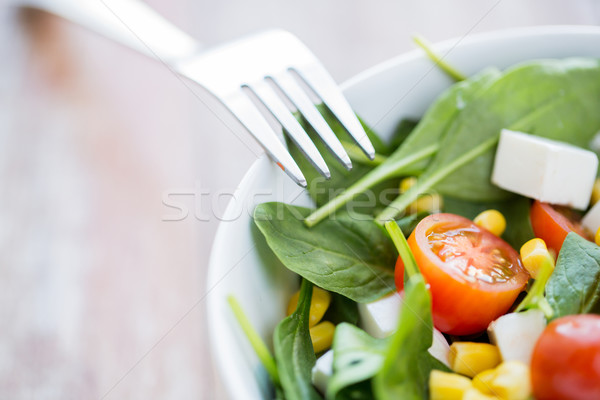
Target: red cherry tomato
552 226
474 276
566 359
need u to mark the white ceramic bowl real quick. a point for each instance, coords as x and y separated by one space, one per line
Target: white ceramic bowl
241 264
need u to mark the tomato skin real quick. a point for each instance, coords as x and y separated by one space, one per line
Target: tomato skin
461 306
551 226
566 359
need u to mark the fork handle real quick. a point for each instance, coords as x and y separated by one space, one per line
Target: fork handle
129 22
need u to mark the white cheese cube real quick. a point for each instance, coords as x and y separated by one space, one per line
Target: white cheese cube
515 334
591 220
380 319
322 371
544 169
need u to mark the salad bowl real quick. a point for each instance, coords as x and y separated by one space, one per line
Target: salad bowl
241 263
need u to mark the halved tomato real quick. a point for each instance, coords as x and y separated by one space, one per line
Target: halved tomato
474 276
552 226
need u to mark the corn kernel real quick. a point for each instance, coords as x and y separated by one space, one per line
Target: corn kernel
492 220
474 394
407 183
595 192
430 203
533 254
597 237
483 381
447 386
509 381
469 358
322 336
318 305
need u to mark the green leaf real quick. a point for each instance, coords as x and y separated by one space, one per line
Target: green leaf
439 61
410 264
407 365
516 211
341 309
417 150
401 133
294 351
574 287
429 181
557 99
346 254
357 357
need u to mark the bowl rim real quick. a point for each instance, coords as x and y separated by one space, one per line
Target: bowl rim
219 362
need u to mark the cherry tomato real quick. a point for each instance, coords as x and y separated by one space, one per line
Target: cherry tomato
474 276
566 359
552 226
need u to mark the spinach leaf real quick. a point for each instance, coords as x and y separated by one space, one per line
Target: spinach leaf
574 287
516 211
439 61
346 254
294 351
357 357
402 131
358 391
557 99
407 365
417 150
341 309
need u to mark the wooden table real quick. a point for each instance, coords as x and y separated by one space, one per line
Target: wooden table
100 295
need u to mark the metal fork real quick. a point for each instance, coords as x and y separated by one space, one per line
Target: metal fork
229 72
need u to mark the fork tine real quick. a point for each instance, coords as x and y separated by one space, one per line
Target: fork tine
306 107
325 87
246 112
294 130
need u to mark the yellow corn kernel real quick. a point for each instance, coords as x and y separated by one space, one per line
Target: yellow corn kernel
430 203
470 358
595 192
533 254
447 386
509 381
597 237
483 381
474 394
492 220
407 183
318 305
322 336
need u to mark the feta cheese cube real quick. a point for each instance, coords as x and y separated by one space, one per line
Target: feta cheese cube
591 220
322 371
516 334
380 319
544 169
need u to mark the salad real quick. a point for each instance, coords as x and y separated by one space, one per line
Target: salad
456 264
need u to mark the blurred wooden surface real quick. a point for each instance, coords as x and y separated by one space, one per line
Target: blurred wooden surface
99 296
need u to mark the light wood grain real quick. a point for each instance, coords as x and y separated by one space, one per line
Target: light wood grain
99 296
